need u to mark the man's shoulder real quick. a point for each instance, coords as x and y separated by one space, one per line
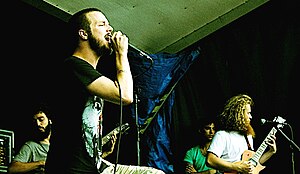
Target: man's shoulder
194 148
224 132
31 143
221 132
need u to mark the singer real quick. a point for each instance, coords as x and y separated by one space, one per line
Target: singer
234 140
76 144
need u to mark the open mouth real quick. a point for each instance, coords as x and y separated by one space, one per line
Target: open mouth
108 37
41 130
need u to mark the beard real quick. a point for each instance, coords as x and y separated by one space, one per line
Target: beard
100 49
250 131
41 135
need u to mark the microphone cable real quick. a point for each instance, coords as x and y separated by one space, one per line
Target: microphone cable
120 126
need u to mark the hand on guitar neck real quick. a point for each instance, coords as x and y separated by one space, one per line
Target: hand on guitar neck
119 129
107 148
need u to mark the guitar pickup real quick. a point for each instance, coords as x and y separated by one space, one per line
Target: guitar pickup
254 163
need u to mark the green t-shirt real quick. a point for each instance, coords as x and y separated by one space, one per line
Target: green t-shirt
196 158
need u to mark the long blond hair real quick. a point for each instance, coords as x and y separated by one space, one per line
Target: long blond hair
232 117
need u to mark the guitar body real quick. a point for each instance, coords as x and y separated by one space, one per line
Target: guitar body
245 157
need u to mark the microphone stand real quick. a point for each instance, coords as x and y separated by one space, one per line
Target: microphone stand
136 100
294 145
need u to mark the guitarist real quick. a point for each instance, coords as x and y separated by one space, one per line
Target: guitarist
235 137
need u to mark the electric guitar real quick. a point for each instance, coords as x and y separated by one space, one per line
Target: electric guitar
254 157
124 127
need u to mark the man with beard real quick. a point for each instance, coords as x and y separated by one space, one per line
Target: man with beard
235 137
32 155
195 157
76 145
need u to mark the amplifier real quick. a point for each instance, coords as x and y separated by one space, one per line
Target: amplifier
6 149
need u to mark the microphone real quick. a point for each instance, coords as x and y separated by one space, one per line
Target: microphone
276 122
141 52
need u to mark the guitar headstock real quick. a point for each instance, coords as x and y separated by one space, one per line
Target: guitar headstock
124 127
280 121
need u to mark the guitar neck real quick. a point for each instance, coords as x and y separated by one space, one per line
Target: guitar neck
106 138
263 146
117 130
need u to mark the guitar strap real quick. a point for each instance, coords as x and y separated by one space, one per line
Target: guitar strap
248 144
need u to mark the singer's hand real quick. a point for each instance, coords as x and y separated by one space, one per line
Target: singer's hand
120 43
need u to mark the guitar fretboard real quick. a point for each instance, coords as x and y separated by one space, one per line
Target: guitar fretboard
263 146
117 130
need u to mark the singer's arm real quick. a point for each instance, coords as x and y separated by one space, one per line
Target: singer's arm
110 90
124 77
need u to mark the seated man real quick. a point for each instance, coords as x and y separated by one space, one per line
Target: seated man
32 155
195 157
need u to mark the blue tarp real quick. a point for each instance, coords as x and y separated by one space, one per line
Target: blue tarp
153 81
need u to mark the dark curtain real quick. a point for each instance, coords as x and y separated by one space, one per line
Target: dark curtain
257 54
154 82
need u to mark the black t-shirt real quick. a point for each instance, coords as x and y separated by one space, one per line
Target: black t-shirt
67 148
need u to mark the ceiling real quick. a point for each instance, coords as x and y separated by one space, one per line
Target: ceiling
158 25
